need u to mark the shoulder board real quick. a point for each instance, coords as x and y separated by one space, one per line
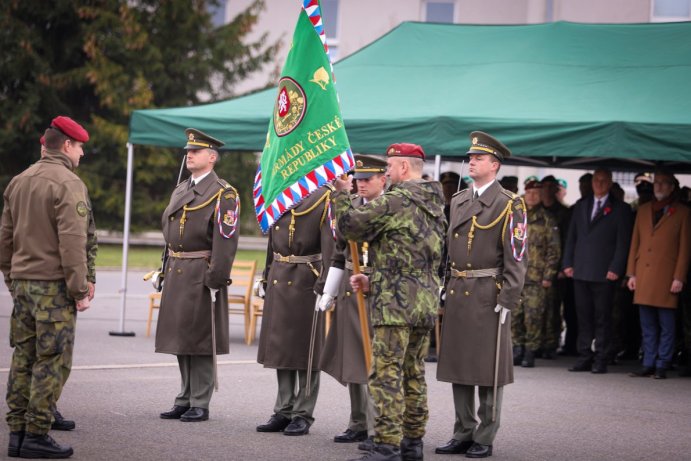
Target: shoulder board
509 194
229 192
330 186
460 192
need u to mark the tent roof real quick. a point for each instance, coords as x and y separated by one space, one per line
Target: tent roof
551 92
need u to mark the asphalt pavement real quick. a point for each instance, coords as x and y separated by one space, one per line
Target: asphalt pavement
118 387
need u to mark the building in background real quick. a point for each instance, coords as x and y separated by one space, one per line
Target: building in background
353 24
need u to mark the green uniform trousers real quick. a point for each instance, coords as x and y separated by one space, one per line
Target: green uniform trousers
397 383
361 408
292 399
527 320
466 426
197 373
42 334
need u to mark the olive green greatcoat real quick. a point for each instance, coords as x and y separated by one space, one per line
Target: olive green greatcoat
184 320
343 355
290 294
469 335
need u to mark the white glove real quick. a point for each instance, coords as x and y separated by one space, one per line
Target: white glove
502 311
259 289
326 302
157 280
333 282
213 292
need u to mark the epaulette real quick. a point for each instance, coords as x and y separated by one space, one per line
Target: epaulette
509 194
460 192
330 186
229 191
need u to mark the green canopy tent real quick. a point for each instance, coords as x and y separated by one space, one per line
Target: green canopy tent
559 94
556 93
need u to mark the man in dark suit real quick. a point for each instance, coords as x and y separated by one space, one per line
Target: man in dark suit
595 257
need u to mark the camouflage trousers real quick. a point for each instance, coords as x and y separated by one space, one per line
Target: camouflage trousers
397 383
527 320
42 334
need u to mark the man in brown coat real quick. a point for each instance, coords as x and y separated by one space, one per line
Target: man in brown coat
43 238
487 265
299 243
200 226
343 349
657 269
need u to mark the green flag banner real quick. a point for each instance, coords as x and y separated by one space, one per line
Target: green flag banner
306 144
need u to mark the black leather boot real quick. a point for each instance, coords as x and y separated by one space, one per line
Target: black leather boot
16 439
382 452
528 359
517 355
411 449
60 423
43 446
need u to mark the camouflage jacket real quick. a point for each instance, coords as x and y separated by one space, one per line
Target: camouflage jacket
405 228
544 248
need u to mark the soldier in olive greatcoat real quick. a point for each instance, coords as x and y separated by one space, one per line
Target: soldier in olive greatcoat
343 349
300 244
486 241
200 227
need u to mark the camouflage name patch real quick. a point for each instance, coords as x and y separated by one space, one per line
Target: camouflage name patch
82 209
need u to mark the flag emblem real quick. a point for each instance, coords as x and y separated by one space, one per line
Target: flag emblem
290 106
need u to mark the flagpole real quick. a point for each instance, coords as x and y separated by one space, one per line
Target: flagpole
362 312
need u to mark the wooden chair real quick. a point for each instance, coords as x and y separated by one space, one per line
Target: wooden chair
256 310
242 274
154 303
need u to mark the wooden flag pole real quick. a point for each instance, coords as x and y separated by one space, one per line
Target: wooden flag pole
362 311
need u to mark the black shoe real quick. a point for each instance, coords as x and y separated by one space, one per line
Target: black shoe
350 436
528 359
195 415
581 366
479 450
382 452
431 358
367 445
60 423
660 373
685 372
275 424
548 355
298 426
454 447
645 372
599 369
16 439
411 449
517 355
43 446
174 413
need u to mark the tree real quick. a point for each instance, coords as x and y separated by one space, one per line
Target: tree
97 61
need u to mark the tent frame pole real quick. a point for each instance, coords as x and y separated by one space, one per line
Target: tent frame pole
126 243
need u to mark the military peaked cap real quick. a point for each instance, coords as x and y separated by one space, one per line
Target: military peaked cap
367 166
199 140
482 143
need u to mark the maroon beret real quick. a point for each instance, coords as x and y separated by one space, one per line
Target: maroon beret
405 150
70 128
533 184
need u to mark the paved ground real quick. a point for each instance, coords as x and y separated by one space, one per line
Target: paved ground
119 385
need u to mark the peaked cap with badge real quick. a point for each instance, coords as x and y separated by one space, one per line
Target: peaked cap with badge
197 139
482 143
367 166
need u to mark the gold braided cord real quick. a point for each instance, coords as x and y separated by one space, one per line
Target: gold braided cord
293 213
503 215
186 208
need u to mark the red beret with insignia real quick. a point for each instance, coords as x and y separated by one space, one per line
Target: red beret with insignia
533 184
405 150
70 128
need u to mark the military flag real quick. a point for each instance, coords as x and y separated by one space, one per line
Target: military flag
306 143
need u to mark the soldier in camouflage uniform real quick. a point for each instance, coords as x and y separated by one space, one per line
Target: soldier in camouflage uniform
405 228
59 422
43 237
544 253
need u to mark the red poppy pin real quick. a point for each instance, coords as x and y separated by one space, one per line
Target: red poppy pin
607 210
671 211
